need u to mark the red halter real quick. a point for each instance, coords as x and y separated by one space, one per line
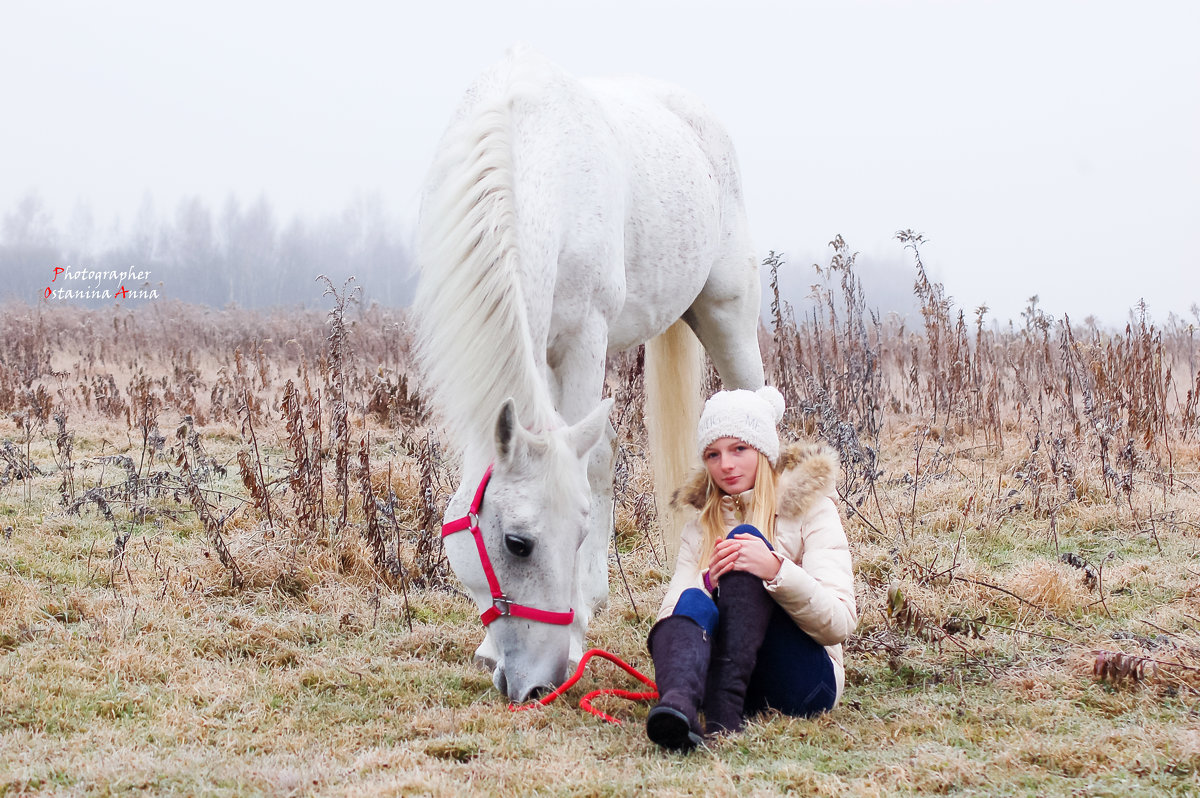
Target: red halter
501 605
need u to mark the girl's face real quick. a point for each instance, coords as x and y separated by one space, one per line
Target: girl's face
732 464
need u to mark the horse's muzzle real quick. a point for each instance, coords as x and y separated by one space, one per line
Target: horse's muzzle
520 687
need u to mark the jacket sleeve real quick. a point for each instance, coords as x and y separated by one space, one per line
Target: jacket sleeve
687 569
818 592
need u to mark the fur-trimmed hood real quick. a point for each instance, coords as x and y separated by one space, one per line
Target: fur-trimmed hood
806 472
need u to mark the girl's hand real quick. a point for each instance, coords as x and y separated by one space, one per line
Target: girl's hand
744 553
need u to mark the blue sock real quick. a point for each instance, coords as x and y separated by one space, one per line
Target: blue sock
694 603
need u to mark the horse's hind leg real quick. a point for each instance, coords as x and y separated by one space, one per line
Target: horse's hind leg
725 319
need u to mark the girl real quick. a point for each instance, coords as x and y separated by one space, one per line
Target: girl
763 591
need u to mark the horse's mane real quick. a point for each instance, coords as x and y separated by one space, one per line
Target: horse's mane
474 343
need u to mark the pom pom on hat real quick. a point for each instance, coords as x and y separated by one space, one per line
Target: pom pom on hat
750 416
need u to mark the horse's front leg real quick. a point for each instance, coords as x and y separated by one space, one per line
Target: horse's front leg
591 574
580 375
593 554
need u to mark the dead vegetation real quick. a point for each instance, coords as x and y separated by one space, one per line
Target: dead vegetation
221 533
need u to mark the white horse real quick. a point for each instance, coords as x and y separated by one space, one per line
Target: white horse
564 219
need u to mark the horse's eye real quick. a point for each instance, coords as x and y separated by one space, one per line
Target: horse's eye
521 547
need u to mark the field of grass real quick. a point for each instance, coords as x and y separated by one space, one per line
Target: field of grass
220 573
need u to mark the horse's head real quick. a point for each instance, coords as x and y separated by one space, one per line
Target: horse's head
532 519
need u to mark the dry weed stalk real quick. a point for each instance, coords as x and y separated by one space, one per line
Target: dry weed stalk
195 465
182 390
394 402
304 469
64 443
339 437
431 565
213 525
395 568
629 393
907 617
17 464
338 362
1117 667
372 530
1190 418
1091 577
828 368
252 480
935 312
252 475
635 502
1120 669
145 404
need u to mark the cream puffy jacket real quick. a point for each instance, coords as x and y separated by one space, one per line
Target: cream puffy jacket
815 584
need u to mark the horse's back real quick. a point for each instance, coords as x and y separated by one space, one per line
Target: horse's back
699 125
623 203
682 221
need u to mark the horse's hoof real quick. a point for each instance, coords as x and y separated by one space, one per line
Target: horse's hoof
670 728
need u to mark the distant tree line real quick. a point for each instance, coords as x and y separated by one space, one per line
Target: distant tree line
238 255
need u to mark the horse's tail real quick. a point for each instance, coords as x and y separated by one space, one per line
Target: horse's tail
674 369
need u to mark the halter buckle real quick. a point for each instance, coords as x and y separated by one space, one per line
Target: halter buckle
503 606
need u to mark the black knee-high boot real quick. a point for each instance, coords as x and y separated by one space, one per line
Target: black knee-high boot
745 609
680 649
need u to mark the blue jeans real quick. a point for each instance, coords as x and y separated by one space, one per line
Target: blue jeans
793 673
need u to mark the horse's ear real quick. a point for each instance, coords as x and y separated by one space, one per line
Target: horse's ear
506 431
587 433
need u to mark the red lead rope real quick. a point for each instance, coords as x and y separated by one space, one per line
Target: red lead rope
585 703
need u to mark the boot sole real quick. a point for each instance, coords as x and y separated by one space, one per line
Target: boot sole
670 728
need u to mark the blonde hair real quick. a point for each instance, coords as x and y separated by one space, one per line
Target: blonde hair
761 514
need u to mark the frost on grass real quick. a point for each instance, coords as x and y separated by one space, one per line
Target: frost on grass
221 569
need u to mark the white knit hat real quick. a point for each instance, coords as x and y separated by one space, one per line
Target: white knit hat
750 416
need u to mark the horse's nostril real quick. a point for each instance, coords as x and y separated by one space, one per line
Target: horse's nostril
537 692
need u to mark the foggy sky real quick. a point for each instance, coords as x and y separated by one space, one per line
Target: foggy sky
1045 148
